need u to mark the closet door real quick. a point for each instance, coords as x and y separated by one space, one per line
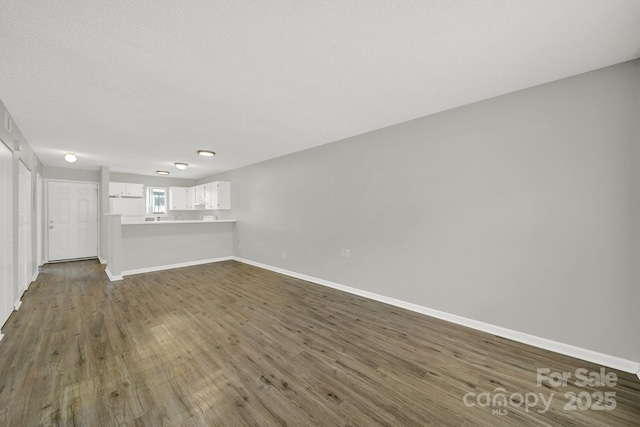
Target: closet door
6 232
25 260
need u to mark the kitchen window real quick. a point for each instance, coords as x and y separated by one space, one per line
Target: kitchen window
156 201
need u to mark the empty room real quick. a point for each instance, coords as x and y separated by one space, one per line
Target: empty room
270 213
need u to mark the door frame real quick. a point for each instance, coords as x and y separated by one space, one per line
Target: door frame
40 219
46 212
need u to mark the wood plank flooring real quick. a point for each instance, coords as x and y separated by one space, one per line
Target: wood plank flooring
231 344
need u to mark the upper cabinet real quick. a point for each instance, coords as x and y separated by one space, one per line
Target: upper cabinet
178 198
200 195
191 198
218 195
126 189
211 196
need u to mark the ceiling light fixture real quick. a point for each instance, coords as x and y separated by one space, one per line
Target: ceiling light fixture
181 166
70 157
206 153
162 172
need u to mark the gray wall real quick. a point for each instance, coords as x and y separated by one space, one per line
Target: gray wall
521 211
30 159
159 181
69 174
154 245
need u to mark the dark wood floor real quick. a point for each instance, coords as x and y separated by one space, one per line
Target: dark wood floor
232 344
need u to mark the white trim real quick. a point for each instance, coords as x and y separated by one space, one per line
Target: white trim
1 336
558 347
111 276
172 266
71 180
17 305
102 260
34 277
39 219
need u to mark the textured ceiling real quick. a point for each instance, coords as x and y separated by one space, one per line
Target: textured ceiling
138 85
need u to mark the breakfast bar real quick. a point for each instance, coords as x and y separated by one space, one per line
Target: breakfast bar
143 247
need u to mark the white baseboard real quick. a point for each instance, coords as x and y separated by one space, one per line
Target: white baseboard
172 266
558 347
102 260
17 305
1 336
111 276
34 278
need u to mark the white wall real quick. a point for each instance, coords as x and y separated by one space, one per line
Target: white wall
520 211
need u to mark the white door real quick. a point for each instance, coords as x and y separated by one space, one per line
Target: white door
6 233
25 259
72 220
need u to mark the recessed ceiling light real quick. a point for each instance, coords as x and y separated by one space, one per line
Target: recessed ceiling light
181 166
206 153
70 157
162 172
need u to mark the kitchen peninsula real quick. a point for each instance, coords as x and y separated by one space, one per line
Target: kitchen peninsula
143 247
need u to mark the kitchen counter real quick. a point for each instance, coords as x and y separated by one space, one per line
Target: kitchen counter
173 221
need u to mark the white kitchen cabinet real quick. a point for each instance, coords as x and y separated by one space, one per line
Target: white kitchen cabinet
126 189
135 190
213 195
200 196
218 195
191 197
117 189
178 198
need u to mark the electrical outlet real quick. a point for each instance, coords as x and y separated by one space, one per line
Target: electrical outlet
346 253
284 255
